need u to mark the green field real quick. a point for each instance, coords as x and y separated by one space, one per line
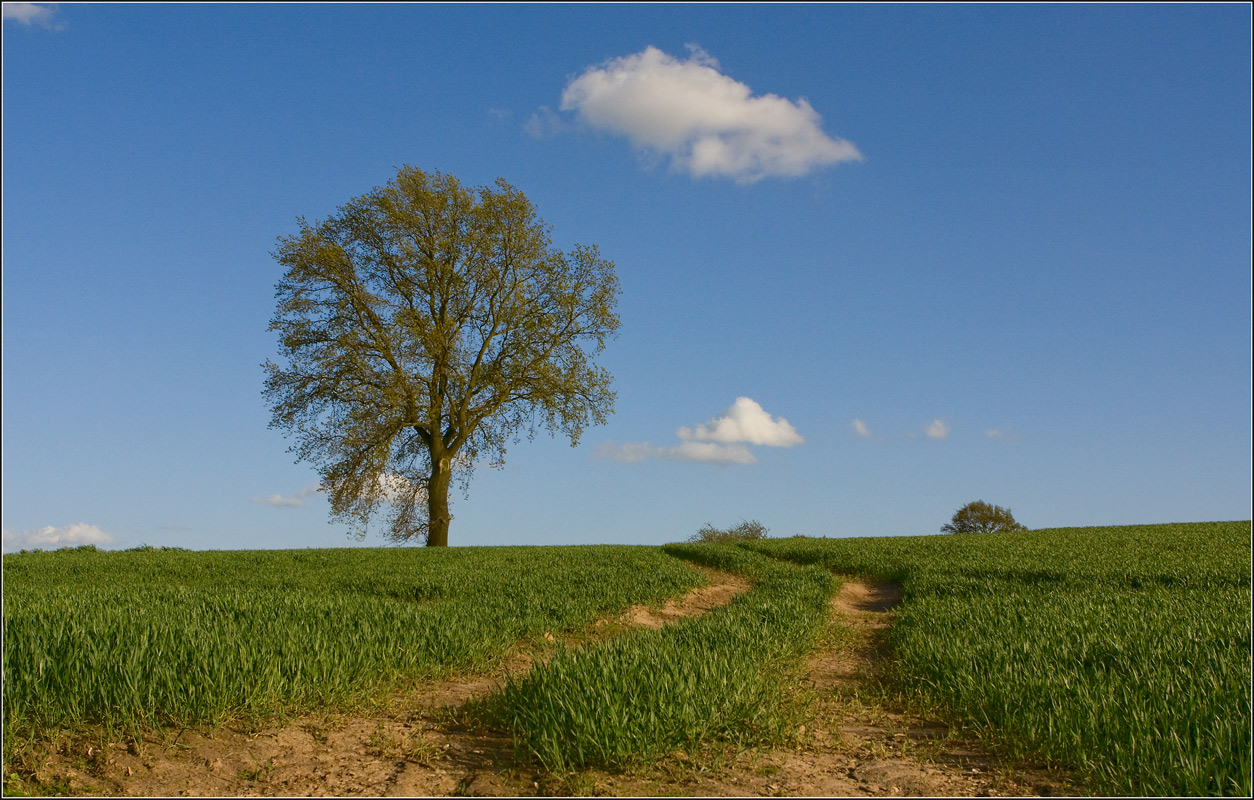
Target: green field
173 637
1121 654
713 678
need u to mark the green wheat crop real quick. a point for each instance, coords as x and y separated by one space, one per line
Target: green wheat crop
717 678
159 638
1122 653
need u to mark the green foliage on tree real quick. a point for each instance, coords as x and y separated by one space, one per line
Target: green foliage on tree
745 531
980 517
426 326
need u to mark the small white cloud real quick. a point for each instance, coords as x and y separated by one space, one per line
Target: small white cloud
545 124
51 538
295 501
627 453
500 113
706 452
860 428
41 14
722 440
395 488
711 453
698 55
279 501
994 433
705 121
389 487
937 430
745 421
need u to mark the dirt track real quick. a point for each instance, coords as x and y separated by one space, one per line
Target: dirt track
853 746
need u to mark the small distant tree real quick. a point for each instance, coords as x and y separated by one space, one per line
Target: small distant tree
980 517
742 532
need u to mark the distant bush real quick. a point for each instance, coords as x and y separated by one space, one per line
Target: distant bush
745 531
980 517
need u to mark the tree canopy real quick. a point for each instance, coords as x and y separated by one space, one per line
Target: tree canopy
980 517
426 326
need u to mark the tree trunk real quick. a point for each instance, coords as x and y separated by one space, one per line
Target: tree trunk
437 504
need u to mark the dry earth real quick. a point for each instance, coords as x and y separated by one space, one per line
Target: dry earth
416 744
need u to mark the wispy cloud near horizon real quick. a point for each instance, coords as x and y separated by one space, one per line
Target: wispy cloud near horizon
707 123
391 488
707 452
52 538
293 501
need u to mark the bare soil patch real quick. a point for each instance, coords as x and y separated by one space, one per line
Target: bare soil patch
723 588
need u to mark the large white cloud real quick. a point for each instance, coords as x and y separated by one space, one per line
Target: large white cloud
51 538
707 122
745 421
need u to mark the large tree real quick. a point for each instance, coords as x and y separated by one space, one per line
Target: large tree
426 326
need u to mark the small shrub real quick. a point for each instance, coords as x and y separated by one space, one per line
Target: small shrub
743 532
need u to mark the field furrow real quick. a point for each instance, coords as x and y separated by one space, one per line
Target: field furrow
414 744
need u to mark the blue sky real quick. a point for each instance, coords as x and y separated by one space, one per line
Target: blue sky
964 252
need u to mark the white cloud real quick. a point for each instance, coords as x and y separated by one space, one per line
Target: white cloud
707 452
712 453
745 421
391 488
395 488
41 14
51 538
545 124
295 501
860 428
937 430
707 122
628 452
722 440
994 433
